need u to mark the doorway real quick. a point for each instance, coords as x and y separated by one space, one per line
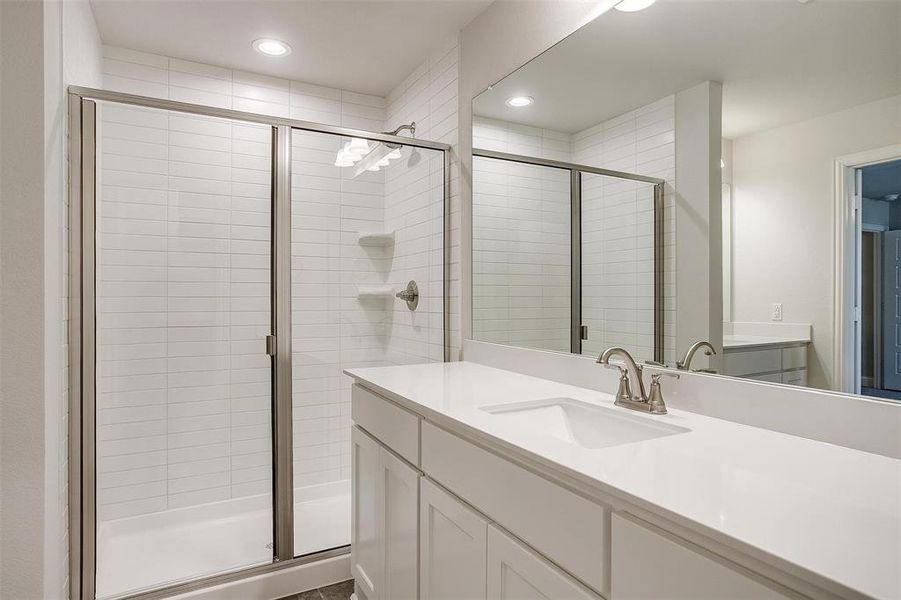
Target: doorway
878 187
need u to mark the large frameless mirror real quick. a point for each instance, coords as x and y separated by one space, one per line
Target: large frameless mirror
774 239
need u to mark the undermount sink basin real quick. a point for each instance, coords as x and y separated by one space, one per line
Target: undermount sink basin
586 425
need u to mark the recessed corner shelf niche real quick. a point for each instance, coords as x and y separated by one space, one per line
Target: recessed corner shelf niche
376 238
375 291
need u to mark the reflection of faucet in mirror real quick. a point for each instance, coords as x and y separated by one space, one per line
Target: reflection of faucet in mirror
685 363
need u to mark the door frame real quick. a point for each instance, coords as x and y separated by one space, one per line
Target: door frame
846 276
82 332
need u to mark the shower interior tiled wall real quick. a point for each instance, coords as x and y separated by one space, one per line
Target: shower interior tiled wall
521 261
181 451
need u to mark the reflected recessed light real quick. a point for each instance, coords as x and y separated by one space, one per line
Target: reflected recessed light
520 101
633 5
271 47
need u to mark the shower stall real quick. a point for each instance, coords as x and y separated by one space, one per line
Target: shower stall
225 267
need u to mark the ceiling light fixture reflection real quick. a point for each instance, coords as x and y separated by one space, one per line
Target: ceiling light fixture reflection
271 47
520 101
633 5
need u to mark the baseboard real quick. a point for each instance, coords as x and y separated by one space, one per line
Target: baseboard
279 583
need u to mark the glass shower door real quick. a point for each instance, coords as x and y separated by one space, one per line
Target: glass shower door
367 218
184 393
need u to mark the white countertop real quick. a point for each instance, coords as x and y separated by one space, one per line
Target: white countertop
750 341
825 513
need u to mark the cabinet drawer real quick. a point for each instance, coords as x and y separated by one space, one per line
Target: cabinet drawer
679 571
392 425
570 530
752 361
516 572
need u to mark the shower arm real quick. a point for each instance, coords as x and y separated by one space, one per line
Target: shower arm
411 128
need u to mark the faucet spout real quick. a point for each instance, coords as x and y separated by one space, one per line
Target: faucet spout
634 369
685 363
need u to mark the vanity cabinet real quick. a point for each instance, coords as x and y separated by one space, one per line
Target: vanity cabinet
468 523
385 524
654 564
453 547
774 362
516 572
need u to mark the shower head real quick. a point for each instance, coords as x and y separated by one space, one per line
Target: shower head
359 154
378 157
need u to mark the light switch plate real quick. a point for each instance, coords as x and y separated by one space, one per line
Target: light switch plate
777 311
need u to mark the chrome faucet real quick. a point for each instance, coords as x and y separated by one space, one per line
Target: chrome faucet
685 363
651 403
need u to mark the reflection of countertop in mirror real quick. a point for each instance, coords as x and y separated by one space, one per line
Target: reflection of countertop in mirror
826 514
761 341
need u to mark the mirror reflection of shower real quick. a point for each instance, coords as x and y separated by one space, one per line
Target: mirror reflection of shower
364 156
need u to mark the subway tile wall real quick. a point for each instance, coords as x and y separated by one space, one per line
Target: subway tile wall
521 238
171 177
183 403
618 229
617 233
429 96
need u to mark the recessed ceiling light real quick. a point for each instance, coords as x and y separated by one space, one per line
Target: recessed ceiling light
520 101
633 5
271 47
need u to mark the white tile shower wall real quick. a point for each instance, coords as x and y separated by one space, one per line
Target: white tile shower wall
184 406
617 229
225 456
414 213
333 328
429 96
521 238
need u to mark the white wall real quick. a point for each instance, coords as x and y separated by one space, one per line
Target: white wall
22 312
698 208
39 59
783 247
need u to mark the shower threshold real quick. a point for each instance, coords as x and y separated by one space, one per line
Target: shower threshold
150 551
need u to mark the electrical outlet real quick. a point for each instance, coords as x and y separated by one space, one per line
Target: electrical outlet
777 311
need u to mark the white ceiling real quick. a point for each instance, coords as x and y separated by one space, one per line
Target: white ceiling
363 46
780 61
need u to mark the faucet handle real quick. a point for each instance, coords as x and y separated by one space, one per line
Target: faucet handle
624 391
656 405
655 378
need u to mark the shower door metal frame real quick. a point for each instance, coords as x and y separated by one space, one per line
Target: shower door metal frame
83 333
576 170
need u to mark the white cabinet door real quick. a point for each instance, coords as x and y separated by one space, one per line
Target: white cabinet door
516 572
453 547
367 547
400 528
648 565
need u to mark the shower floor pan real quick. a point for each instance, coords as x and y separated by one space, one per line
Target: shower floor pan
149 551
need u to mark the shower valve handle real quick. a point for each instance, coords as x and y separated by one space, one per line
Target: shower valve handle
410 295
